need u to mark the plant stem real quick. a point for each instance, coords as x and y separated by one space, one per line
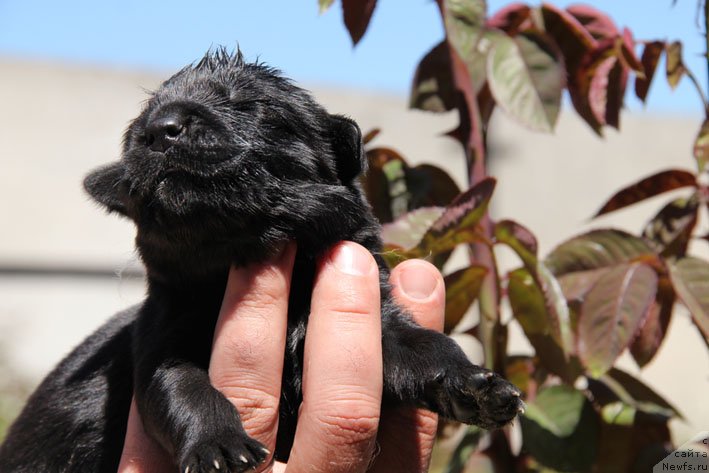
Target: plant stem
474 142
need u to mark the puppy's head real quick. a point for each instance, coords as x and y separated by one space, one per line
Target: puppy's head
217 142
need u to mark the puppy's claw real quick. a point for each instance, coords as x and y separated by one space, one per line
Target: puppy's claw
187 470
520 410
216 464
243 459
516 393
265 451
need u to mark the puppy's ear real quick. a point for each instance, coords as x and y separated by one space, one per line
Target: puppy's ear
107 186
347 145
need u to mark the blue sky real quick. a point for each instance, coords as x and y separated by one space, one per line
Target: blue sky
291 35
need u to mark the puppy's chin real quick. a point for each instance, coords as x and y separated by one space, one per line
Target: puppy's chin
178 193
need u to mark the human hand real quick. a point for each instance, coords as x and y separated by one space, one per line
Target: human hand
341 427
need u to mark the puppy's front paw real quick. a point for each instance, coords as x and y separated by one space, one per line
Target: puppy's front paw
473 395
232 452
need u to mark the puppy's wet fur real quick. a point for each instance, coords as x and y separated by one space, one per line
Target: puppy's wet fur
227 161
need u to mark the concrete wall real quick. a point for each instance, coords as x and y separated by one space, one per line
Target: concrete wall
59 121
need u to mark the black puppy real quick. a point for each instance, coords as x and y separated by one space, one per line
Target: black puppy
226 163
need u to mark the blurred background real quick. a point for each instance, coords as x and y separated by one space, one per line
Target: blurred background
74 73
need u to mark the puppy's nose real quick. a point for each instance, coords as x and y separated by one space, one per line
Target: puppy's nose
162 132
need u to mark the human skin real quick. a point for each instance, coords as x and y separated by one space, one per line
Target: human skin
341 427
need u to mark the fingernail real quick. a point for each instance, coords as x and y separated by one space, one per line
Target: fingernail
417 283
352 259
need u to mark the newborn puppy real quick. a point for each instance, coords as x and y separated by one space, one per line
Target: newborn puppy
226 163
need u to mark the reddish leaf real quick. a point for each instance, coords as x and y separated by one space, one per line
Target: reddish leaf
393 188
599 87
462 288
612 313
433 89
430 185
576 285
511 19
370 135
597 249
357 14
465 211
456 224
627 53
385 183
672 227
652 333
594 86
690 278
573 39
674 63
650 58
597 23
701 147
651 186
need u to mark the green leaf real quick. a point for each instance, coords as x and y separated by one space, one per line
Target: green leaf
560 429
650 186
462 288
690 277
471 40
527 302
529 307
672 227
618 413
597 249
357 14
433 89
701 147
526 78
520 239
649 59
635 393
406 231
324 5
674 64
523 242
466 447
557 409
612 313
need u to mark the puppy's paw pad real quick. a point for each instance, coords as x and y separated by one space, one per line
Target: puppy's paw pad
228 453
486 399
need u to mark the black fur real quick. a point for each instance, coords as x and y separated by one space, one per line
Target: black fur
226 162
